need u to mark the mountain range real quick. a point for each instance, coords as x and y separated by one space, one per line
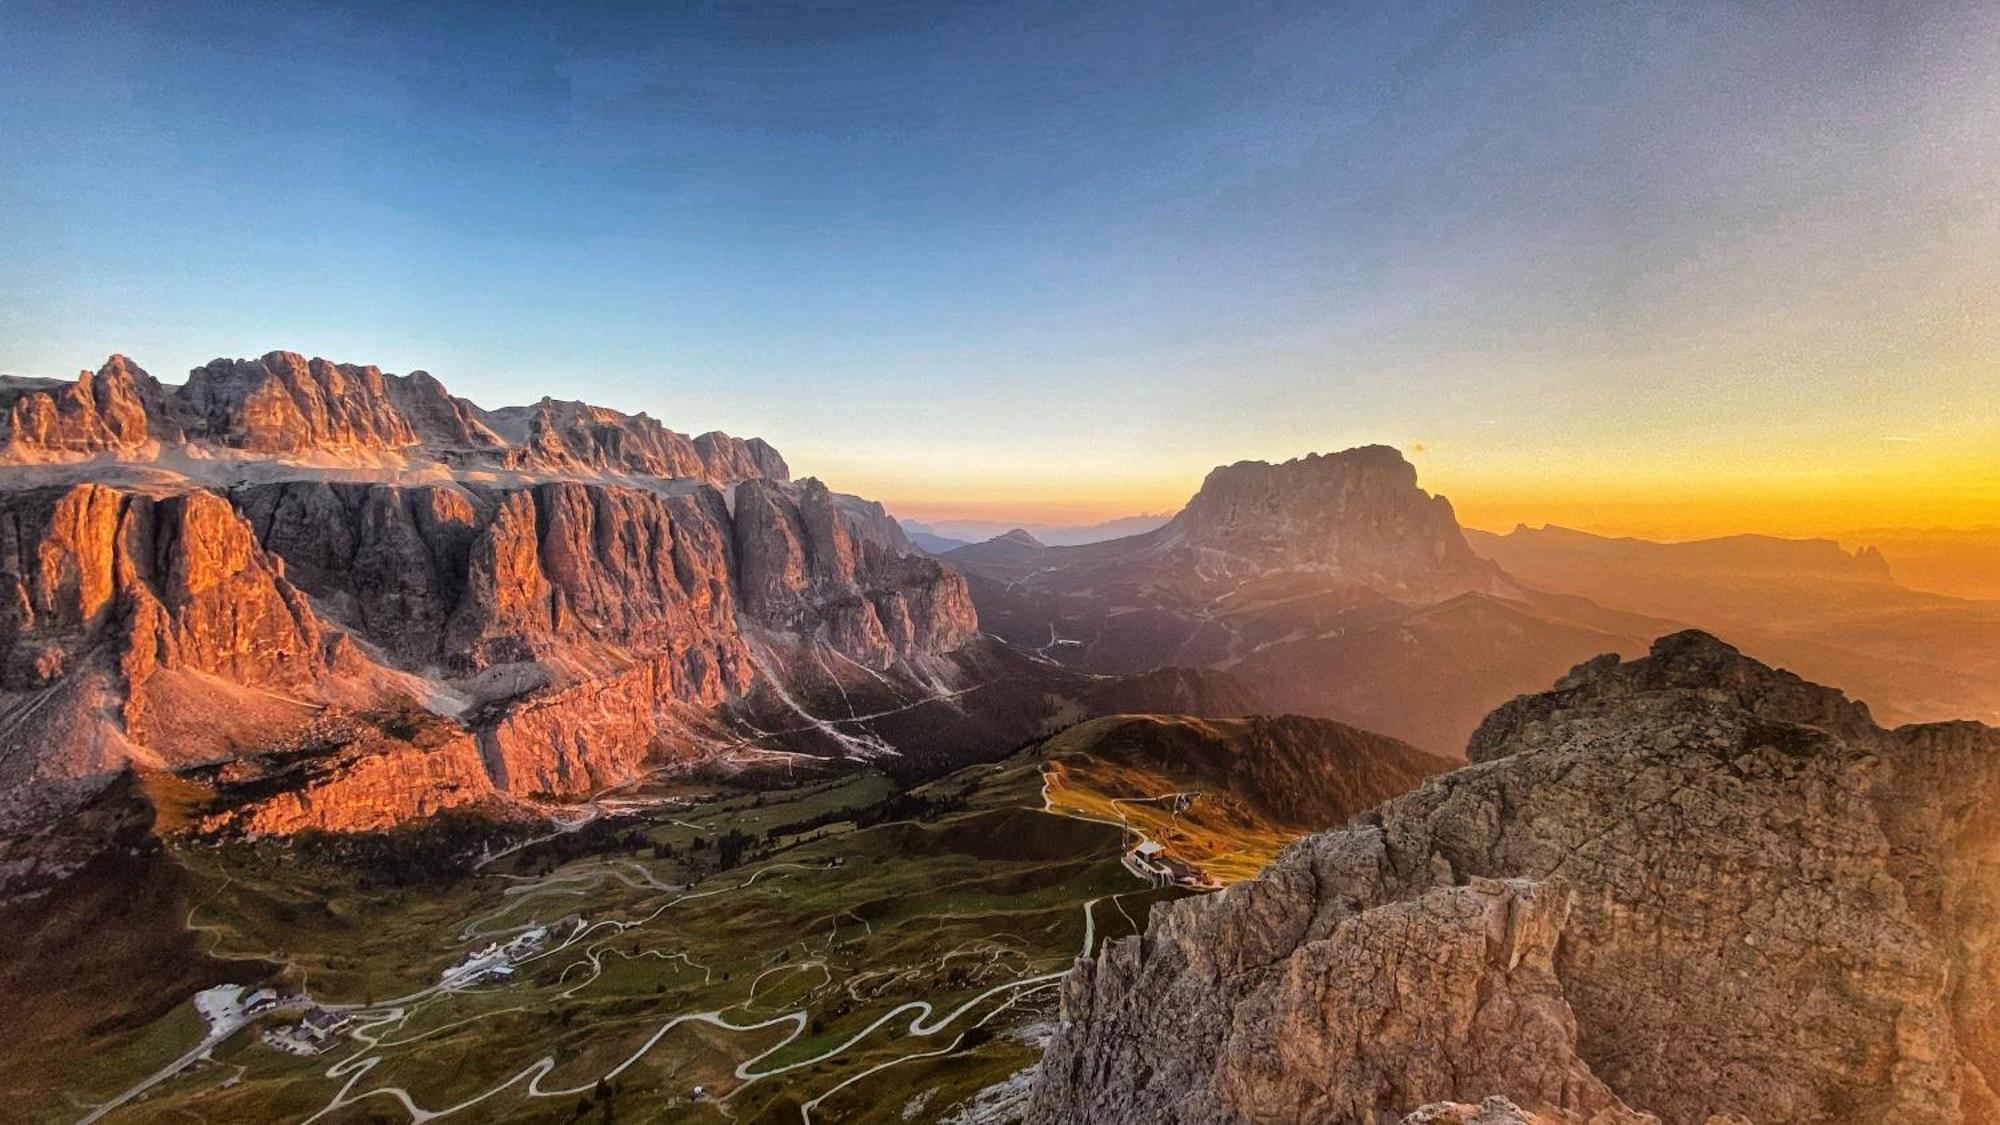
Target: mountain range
320 678
563 597
1832 615
280 568
1333 585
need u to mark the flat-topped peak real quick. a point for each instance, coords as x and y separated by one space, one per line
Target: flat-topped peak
1357 512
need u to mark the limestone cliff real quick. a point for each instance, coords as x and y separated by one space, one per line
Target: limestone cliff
589 577
119 408
206 573
348 773
554 435
284 403
168 582
389 561
286 409
1688 886
575 617
148 629
805 568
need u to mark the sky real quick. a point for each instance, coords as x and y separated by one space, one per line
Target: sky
1671 269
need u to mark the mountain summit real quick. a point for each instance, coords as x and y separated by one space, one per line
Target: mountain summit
1356 515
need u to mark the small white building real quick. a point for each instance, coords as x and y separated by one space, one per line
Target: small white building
322 1024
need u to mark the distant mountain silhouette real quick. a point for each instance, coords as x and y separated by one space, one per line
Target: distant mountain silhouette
963 532
1833 615
1332 585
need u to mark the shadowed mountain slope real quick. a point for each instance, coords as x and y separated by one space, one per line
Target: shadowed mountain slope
1332 585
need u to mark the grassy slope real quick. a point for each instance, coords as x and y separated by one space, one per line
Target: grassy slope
975 888
1253 784
990 892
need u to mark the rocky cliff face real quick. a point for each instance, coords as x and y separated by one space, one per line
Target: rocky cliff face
1357 515
390 561
148 629
1686 886
175 582
805 568
347 773
285 403
577 590
297 411
587 621
590 577
553 436
120 408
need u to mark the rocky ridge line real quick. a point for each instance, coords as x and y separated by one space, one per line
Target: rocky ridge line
286 407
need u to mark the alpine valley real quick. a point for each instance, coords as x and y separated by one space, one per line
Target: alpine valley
367 754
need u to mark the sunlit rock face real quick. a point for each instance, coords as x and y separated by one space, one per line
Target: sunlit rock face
587 575
574 588
285 403
176 582
563 567
126 617
1686 885
611 607
119 408
353 777
554 435
288 409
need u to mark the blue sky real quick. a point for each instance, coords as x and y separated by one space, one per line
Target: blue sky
1055 259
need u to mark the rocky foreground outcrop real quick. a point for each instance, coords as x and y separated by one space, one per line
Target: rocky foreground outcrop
1687 886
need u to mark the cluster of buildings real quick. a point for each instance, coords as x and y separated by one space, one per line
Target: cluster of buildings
318 1028
496 961
1152 862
